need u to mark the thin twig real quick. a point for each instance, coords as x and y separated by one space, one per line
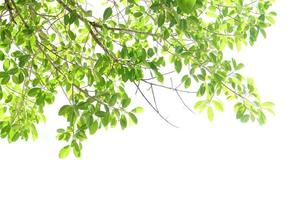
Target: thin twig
150 104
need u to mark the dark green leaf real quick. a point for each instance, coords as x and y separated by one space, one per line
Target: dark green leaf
34 92
107 13
93 128
123 122
161 19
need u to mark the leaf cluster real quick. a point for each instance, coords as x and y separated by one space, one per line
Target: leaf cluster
52 46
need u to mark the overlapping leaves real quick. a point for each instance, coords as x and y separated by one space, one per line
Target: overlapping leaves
51 46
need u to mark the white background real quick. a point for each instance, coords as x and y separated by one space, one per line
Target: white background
200 160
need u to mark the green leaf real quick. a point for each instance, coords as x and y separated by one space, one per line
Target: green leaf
201 90
73 17
76 149
13 71
218 105
133 118
178 65
200 105
81 136
66 19
245 118
123 122
261 118
138 110
107 13
93 128
64 152
159 77
64 109
2 56
161 19
113 100
34 92
239 66
210 113
138 14
1 93
125 102
267 104
187 82
71 35
19 78
34 132
5 79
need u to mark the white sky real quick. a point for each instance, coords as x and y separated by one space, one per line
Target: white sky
200 160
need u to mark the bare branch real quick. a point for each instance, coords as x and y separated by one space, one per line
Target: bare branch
181 99
157 111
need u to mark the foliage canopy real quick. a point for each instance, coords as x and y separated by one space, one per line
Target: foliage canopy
52 45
